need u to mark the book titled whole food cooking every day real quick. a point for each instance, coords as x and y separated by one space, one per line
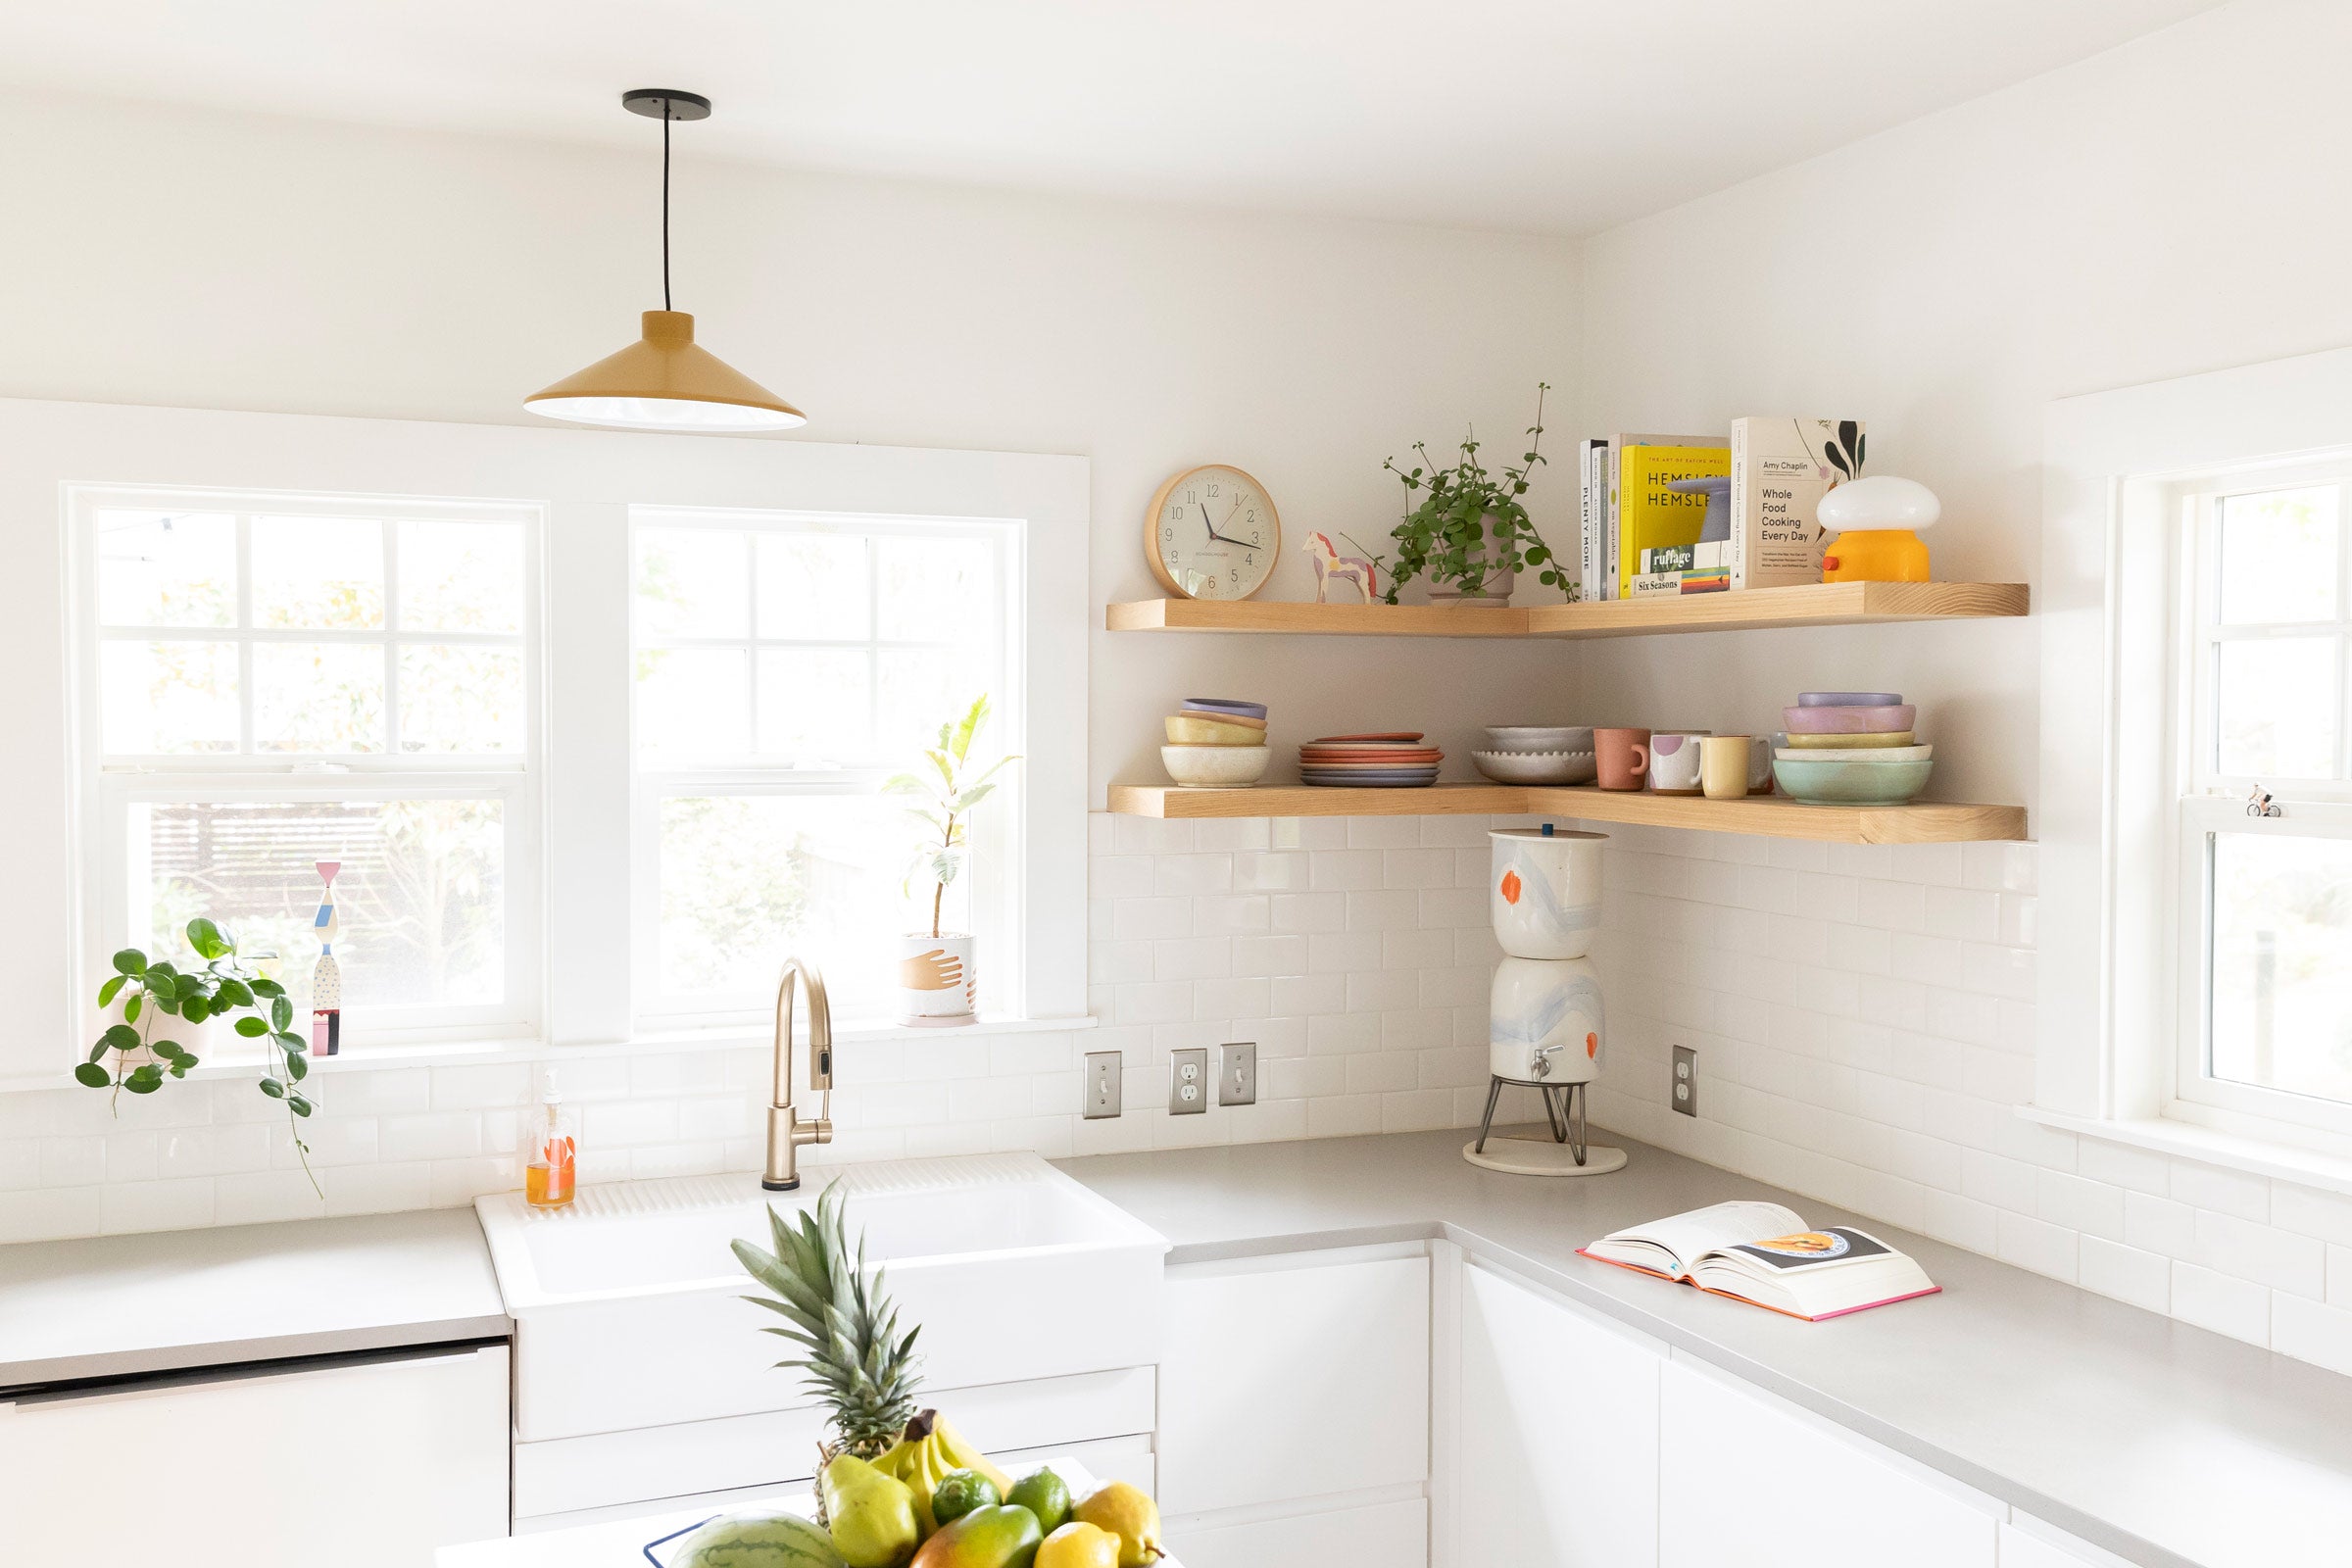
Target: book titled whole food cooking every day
1762 1253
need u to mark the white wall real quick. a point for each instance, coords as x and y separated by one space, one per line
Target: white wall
2154 211
182 257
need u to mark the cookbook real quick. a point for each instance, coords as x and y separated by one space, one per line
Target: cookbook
1763 1254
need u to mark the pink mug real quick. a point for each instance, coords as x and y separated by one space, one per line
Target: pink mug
1622 757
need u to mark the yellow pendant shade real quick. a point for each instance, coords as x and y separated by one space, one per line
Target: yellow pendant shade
665 381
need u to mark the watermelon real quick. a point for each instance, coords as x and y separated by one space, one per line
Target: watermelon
757 1537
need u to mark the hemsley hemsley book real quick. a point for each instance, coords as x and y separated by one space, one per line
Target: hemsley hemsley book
1762 1253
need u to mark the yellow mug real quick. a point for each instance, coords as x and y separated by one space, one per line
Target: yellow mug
1723 765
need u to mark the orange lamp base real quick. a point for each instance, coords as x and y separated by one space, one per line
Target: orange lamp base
1875 554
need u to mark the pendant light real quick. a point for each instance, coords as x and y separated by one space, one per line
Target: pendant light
665 380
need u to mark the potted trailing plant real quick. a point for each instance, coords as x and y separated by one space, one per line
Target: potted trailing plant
1466 530
936 978
134 1054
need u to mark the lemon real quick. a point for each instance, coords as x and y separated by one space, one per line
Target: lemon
1126 1512
1079 1546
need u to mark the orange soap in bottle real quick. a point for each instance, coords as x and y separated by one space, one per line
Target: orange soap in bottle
548 1176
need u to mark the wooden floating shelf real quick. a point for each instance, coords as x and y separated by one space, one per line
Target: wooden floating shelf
1826 604
1762 815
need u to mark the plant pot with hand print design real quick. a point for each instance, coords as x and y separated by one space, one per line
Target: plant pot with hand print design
937 980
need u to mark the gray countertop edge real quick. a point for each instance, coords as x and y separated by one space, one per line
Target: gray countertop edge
2077 1362
153 1360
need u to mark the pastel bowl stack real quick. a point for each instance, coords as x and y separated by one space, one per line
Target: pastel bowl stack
1538 754
1216 743
1851 749
1391 760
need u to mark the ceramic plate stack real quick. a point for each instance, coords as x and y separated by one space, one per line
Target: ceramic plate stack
1216 743
1851 749
1395 761
1535 754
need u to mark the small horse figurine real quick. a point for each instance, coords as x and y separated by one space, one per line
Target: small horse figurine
1330 564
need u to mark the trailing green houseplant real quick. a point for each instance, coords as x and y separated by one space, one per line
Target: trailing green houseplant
222 986
1465 528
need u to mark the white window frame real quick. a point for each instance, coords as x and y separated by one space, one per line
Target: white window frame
997 880
111 784
2121 819
585 481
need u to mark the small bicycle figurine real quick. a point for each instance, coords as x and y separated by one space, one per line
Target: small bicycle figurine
2260 804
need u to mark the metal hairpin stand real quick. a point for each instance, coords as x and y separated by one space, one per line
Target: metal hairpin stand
1566 1113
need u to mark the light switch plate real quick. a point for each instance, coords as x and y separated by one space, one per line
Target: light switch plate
1187 1081
1237 1073
1105 1074
1683 1096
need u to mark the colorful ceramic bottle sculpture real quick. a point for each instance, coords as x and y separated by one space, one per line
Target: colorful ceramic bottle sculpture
327 979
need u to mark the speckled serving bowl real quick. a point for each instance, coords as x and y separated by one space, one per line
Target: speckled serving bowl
1216 767
1538 767
1835 781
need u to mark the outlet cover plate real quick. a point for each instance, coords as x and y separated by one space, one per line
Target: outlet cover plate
1187 1081
1237 1073
1683 1095
1105 1076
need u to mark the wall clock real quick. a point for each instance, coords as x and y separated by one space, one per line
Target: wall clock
1212 533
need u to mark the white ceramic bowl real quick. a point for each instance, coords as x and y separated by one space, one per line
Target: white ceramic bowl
1215 767
1537 767
1539 737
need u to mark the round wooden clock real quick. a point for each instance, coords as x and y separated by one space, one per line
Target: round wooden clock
1212 533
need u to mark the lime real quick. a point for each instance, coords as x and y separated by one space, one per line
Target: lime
959 1492
1045 1494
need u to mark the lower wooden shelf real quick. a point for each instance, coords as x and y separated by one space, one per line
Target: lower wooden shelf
1762 815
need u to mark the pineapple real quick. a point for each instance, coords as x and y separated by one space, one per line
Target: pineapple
856 1362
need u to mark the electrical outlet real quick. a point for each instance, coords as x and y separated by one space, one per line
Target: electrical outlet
1237 1073
1686 1081
1187 1081
1105 1074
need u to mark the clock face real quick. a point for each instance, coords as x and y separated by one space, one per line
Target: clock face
1212 534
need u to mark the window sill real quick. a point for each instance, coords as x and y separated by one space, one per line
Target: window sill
478 1053
2256 1156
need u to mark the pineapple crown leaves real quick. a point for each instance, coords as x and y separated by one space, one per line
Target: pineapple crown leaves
857 1361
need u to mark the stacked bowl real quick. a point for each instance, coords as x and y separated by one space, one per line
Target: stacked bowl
1216 743
1536 753
1393 761
1851 749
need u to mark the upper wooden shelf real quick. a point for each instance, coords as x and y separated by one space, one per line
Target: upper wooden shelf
1826 603
1762 815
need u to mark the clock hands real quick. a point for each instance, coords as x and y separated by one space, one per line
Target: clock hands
1229 516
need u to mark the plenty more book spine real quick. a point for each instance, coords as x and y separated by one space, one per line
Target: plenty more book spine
1592 478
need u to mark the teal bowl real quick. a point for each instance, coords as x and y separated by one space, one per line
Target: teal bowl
1830 782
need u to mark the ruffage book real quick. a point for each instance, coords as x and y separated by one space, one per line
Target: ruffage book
1651 515
1761 1254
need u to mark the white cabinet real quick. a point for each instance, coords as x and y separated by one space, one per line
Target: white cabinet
1386 1534
1294 1377
2046 1547
1748 1481
1557 1458
364 1462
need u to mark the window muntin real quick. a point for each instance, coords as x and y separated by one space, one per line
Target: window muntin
786 663
271 681
2265 903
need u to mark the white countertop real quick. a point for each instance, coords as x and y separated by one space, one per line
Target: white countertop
2168 1444
122 1305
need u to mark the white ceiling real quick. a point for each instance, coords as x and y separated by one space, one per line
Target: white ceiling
1558 116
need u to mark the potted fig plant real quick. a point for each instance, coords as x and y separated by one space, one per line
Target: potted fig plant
1466 530
937 969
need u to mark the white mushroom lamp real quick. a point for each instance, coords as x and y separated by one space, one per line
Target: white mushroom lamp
1878 522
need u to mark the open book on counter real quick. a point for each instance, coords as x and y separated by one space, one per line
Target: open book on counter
1763 1254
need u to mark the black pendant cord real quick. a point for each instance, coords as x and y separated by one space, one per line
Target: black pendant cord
665 203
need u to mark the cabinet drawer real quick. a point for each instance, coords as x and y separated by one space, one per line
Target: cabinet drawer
1294 1377
1386 1535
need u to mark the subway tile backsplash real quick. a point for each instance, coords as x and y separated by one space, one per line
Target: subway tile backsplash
1864 1018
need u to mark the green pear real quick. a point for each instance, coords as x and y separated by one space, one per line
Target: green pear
871 1515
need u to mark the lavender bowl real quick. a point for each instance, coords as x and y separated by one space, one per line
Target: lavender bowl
1849 699
1880 720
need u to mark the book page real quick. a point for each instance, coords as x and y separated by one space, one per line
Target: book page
1832 1246
1701 1230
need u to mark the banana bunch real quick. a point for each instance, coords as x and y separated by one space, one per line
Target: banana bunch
930 1448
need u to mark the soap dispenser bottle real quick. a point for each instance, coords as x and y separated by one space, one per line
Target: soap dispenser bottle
548 1178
